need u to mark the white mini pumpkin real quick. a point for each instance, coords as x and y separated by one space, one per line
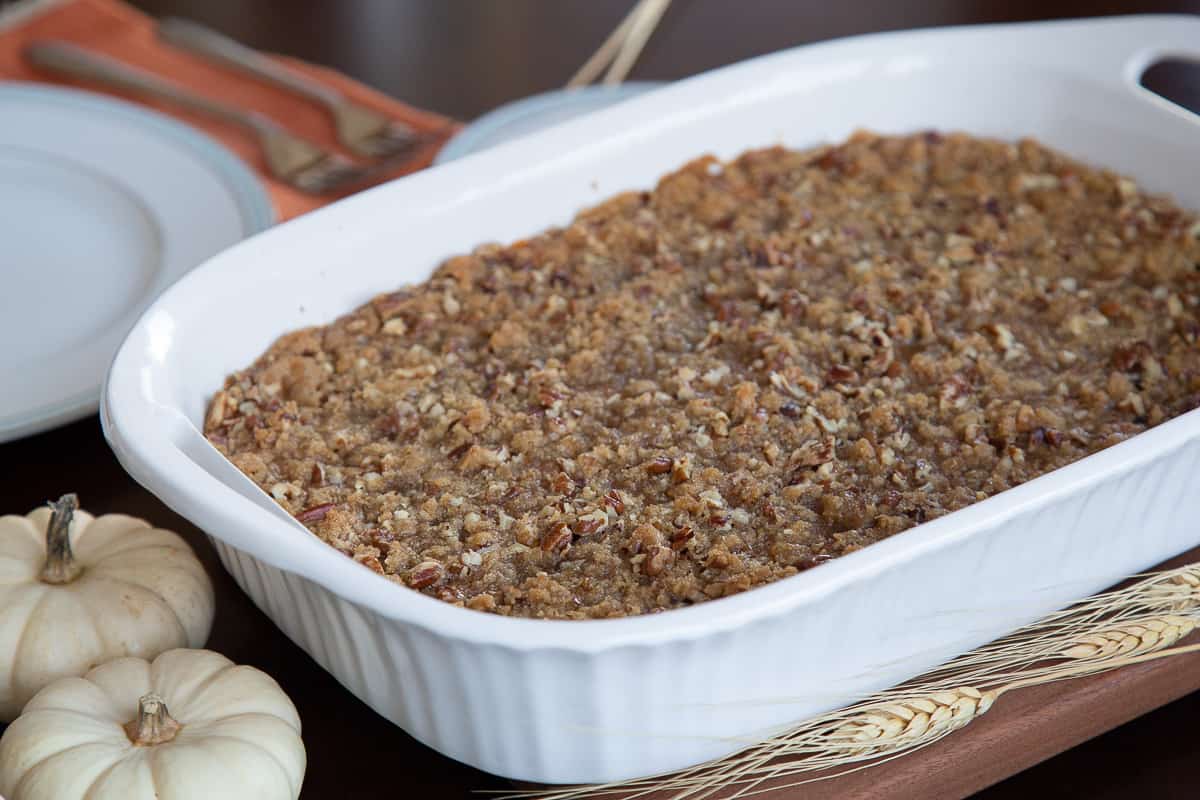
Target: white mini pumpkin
77 591
191 725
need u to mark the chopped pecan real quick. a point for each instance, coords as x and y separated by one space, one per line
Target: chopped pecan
562 484
810 561
388 305
478 457
883 356
371 563
425 574
645 537
682 537
217 410
813 453
954 392
840 373
1049 436
681 469
547 396
557 540
1129 357
592 522
658 558
314 514
658 466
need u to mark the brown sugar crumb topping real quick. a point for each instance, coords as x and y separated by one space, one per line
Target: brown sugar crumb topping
756 367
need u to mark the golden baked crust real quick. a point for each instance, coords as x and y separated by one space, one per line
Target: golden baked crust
753 368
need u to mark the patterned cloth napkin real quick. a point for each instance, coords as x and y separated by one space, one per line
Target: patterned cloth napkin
116 29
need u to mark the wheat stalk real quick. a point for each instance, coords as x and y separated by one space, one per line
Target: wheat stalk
1130 638
623 46
1142 622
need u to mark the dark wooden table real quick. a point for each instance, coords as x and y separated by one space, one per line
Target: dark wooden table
463 57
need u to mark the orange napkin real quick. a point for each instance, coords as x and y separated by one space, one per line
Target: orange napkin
111 27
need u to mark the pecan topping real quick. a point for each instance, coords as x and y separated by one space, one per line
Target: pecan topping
757 365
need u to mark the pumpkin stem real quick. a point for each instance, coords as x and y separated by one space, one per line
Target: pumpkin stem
153 724
60 566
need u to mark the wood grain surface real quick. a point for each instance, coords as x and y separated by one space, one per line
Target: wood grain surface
463 57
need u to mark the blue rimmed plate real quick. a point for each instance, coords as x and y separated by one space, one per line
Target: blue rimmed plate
518 118
102 206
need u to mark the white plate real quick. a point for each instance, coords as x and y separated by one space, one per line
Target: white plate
529 114
564 702
102 206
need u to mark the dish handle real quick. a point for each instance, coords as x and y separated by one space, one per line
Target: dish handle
185 456
1122 47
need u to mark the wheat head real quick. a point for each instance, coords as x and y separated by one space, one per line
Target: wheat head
1182 589
1130 638
906 722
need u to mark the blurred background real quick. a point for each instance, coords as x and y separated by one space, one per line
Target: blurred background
464 57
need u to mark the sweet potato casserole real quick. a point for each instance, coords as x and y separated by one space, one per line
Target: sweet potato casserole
751 369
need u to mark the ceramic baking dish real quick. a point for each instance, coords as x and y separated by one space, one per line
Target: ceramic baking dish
557 701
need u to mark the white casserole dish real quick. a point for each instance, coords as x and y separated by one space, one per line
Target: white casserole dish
592 701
